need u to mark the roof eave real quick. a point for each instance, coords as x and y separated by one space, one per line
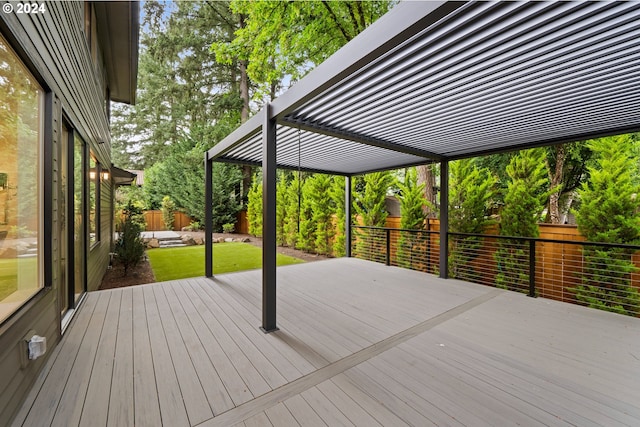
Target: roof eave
118 29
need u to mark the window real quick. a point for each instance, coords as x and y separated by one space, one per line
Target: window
79 215
95 179
21 141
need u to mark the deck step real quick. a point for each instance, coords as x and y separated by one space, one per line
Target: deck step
176 243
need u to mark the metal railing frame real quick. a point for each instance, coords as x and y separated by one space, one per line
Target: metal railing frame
532 241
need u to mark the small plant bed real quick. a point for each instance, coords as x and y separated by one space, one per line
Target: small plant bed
138 275
181 263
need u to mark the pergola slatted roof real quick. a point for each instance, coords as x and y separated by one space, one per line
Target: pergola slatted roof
438 81
434 81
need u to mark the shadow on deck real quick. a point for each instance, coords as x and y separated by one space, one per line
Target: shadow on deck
359 344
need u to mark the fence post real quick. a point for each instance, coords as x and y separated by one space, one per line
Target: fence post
388 233
532 268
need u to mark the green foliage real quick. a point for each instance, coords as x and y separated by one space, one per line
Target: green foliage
526 194
307 232
321 206
609 201
181 177
168 212
129 247
281 209
337 193
228 227
194 226
254 207
370 202
370 206
567 168
413 216
153 189
524 202
471 190
609 212
182 90
289 38
292 218
226 198
412 202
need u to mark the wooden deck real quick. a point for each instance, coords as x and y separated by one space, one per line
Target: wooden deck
359 344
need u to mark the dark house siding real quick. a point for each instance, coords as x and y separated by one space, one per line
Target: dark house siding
54 47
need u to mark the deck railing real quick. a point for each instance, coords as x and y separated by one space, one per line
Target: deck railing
600 275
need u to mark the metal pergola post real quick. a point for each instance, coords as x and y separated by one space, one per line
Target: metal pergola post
444 219
208 216
347 215
269 246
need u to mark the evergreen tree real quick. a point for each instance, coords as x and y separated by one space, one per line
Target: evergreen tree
320 198
182 91
307 233
609 212
227 201
129 247
181 177
292 219
471 191
524 203
254 207
168 212
281 208
337 193
413 216
371 207
370 202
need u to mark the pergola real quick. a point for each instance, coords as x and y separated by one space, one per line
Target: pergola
439 81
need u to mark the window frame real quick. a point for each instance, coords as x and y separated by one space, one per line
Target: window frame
44 183
93 189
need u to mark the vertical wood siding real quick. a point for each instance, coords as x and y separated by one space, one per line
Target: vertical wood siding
54 47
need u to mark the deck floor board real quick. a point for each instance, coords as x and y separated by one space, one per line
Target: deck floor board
359 344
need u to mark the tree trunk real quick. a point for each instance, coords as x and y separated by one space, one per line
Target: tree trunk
555 180
426 176
244 113
567 207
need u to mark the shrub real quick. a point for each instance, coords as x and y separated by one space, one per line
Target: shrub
168 212
281 209
228 227
292 217
609 213
307 229
337 193
524 202
470 194
319 193
370 205
194 226
412 202
129 246
254 207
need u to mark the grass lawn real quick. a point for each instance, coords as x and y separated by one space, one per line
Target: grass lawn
9 269
180 263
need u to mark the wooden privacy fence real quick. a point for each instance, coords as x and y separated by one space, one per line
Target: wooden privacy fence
154 222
